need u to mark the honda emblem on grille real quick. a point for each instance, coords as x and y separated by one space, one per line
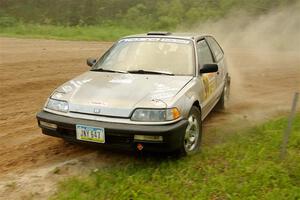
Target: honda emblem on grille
97 110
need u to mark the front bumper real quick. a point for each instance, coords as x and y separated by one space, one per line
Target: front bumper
117 135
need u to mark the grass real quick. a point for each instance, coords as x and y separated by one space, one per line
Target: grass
89 33
246 166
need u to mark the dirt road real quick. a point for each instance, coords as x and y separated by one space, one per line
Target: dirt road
31 163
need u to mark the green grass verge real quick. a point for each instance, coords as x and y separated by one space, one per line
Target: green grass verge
89 33
246 166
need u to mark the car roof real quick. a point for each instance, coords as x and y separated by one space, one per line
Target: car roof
190 36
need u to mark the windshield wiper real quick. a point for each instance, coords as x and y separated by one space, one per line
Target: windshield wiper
141 71
107 70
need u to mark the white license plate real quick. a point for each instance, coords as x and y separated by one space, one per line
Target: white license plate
90 134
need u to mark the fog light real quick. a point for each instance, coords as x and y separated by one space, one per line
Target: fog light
155 138
48 125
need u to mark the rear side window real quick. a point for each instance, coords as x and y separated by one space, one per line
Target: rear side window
217 51
204 53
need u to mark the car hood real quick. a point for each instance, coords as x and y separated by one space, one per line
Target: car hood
115 94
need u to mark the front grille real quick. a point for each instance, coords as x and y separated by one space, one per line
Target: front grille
99 115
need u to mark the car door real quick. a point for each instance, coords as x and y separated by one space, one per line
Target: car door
218 56
209 80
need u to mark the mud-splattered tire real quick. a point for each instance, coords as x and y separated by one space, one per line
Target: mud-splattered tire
224 99
191 138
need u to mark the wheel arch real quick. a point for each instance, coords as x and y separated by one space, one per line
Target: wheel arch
197 104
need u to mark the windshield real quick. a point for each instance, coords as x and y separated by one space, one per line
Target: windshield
174 56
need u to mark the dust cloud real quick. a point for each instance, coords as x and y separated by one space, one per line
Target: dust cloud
277 30
263 56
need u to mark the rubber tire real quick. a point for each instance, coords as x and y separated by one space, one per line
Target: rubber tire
221 105
182 152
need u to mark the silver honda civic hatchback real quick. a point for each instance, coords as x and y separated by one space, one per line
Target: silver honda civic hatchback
148 92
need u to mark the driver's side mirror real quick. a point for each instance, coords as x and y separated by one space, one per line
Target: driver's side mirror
209 68
91 61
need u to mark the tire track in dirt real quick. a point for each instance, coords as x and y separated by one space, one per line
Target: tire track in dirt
30 70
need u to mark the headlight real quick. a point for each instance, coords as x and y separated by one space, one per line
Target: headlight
155 115
58 105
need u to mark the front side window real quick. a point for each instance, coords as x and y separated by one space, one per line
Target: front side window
204 53
215 48
174 56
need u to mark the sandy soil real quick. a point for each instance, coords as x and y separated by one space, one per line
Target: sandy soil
31 164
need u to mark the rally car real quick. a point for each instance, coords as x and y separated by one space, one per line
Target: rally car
148 92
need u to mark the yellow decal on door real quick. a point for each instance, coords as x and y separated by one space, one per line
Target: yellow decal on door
210 83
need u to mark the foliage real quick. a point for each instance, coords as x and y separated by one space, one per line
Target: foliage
109 20
247 166
134 13
89 33
7 21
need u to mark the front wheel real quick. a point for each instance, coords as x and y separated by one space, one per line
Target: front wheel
191 138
